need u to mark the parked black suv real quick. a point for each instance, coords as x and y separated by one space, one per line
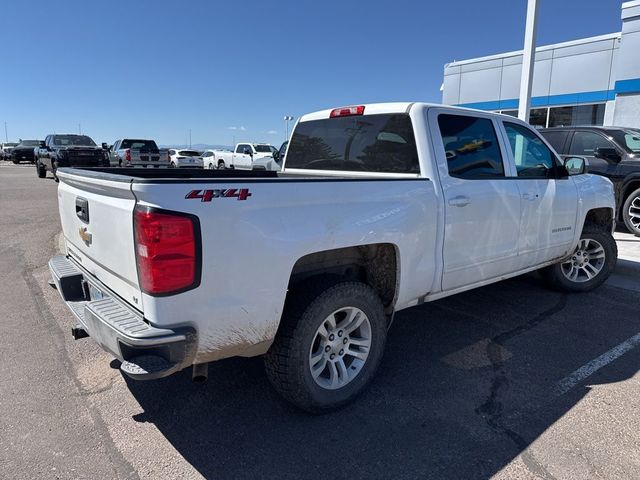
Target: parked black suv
69 151
613 152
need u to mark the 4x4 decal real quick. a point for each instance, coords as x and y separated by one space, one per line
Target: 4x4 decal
208 195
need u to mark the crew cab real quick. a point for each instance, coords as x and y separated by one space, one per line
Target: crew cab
377 208
68 150
25 151
613 152
243 156
130 152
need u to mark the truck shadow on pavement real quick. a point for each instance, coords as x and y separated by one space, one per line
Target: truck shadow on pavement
466 385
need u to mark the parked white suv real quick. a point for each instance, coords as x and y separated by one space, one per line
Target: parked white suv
185 158
378 208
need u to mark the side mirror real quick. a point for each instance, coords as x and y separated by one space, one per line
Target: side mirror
105 146
247 151
607 153
42 144
575 165
276 156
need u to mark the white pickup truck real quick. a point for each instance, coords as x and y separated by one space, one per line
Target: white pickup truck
242 157
378 208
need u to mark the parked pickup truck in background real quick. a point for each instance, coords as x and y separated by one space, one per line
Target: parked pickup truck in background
130 152
242 157
25 151
378 208
68 150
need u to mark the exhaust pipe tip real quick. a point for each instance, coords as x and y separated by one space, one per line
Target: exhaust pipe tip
79 332
200 372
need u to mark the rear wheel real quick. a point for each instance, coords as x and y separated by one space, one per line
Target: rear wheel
172 165
16 162
41 170
589 266
221 165
631 212
211 166
329 344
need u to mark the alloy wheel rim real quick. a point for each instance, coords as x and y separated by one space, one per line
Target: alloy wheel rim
586 262
340 348
634 213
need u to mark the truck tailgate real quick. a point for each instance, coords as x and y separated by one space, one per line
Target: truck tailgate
97 224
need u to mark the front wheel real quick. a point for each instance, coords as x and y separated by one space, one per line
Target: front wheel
631 212
221 165
329 344
41 170
589 266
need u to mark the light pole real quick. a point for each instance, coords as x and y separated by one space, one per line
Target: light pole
6 137
287 119
528 59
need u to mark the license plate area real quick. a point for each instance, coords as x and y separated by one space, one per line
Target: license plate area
95 293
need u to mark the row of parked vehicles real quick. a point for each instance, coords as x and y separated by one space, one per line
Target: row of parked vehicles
71 150
377 208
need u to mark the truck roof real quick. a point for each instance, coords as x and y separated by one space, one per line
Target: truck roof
379 108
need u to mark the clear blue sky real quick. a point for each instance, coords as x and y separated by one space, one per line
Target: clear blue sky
143 68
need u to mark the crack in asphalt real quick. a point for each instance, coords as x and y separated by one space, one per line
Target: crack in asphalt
492 409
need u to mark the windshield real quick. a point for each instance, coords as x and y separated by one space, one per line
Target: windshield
263 148
629 139
138 144
372 143
189 153
30 143
73 140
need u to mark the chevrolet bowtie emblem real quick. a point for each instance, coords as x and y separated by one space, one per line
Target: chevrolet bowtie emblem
84 235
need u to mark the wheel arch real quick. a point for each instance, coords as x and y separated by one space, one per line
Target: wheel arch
630 186
601 217
377 265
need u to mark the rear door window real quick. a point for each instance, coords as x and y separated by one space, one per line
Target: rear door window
471 147
585 143
382 143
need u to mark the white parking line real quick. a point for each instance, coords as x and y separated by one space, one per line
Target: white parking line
588 369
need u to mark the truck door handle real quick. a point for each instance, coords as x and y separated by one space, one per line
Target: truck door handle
459 201
529 196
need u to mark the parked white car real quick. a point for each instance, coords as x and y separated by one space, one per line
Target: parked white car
185 158
378 208
215 158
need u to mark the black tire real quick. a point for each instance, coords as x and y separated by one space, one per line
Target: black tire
41 170
559 281
307 307
172 165
221 165
632 202
16 162
211 167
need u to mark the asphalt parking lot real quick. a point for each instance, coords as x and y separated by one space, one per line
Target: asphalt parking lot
508 381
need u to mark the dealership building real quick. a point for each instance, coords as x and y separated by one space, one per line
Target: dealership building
591 81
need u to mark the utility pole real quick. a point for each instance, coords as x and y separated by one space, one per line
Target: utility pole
79 128
6 137
189 138
528 59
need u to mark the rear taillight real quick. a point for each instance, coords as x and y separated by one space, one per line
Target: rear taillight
127 155
167 251
347 111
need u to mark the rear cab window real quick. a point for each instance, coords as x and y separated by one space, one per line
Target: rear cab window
378 143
